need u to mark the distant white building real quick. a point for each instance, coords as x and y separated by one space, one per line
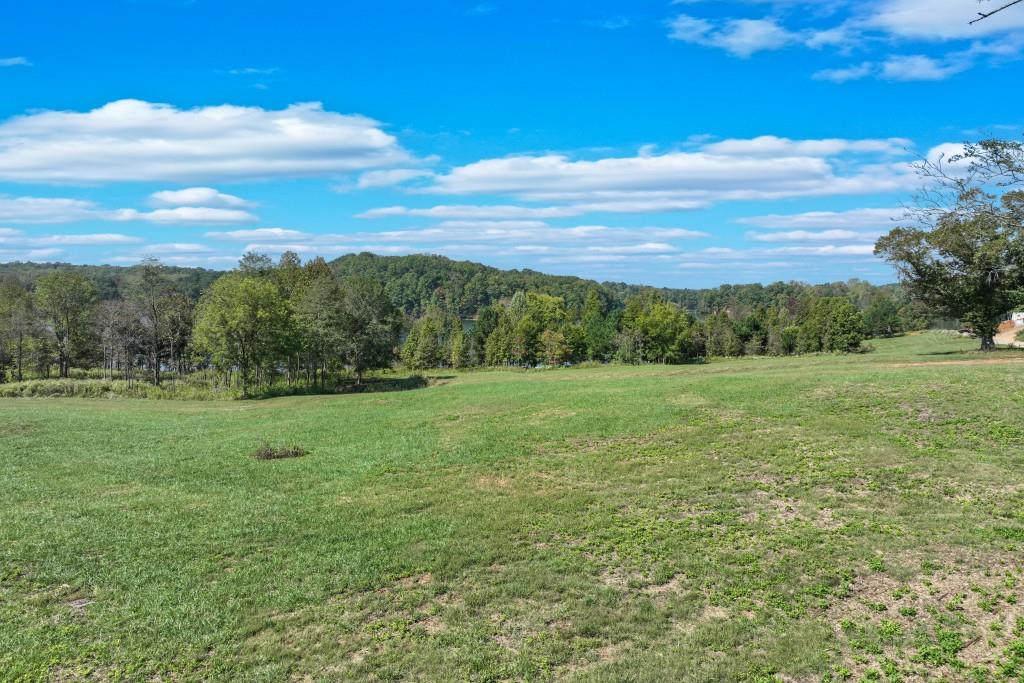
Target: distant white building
1017 317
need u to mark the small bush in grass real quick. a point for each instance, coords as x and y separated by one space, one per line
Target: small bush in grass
1020 336
268 452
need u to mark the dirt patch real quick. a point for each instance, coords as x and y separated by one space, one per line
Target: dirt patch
491 483
1007 334
78 606
79 674
418 580
709 614
432 625
939 623
661 593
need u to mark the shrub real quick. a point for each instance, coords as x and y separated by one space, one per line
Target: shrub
194 388
107 388
268 452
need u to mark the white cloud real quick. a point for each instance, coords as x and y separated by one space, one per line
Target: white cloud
260 234
740 37
104 238
920 68
197 196
828 250
850 73
63 210
10 236
185 215
28 255
811 236
869 25
645 248
390 177
174 248
503 212
45 209
254 71
517 232
772 146
14 61
844 220
133 140
939 19
761 168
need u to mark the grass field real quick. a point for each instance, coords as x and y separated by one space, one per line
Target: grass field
802 519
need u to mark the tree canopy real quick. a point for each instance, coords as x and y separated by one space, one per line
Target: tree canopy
963 256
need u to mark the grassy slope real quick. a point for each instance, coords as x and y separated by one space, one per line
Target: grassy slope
802 517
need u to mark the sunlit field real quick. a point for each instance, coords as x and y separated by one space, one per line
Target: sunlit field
856 517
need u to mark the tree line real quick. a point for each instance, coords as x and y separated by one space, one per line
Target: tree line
261 323
533 328
419 282
313 324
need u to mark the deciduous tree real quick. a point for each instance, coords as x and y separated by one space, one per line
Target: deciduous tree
66 300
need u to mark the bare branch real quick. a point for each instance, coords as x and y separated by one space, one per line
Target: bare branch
986 15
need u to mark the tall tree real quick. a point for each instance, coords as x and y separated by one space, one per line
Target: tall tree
318 312
371 325
243 322
882 318
964 257
19 324
153 297
66 300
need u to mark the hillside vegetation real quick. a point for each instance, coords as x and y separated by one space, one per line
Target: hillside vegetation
417 281
822 518
269 328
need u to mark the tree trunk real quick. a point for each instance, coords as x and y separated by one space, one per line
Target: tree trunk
988 343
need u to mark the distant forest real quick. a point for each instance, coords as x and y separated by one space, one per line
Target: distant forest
418 283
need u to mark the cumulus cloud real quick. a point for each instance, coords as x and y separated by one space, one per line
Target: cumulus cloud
174 248
186 215
9 236
761 168
938 19
507 211
811 236
854 72
45 209
28 255
134 140
197 196
260 234
63 210
772 146
740 37
878 24
920 68
855 219
390 177
828 250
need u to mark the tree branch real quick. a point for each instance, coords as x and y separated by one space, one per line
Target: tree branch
986 15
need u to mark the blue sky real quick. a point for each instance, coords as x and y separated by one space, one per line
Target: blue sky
681 143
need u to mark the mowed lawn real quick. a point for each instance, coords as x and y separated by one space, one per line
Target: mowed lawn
802 519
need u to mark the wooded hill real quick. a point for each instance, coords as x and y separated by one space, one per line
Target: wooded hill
419 282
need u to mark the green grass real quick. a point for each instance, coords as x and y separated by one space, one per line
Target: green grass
803 519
